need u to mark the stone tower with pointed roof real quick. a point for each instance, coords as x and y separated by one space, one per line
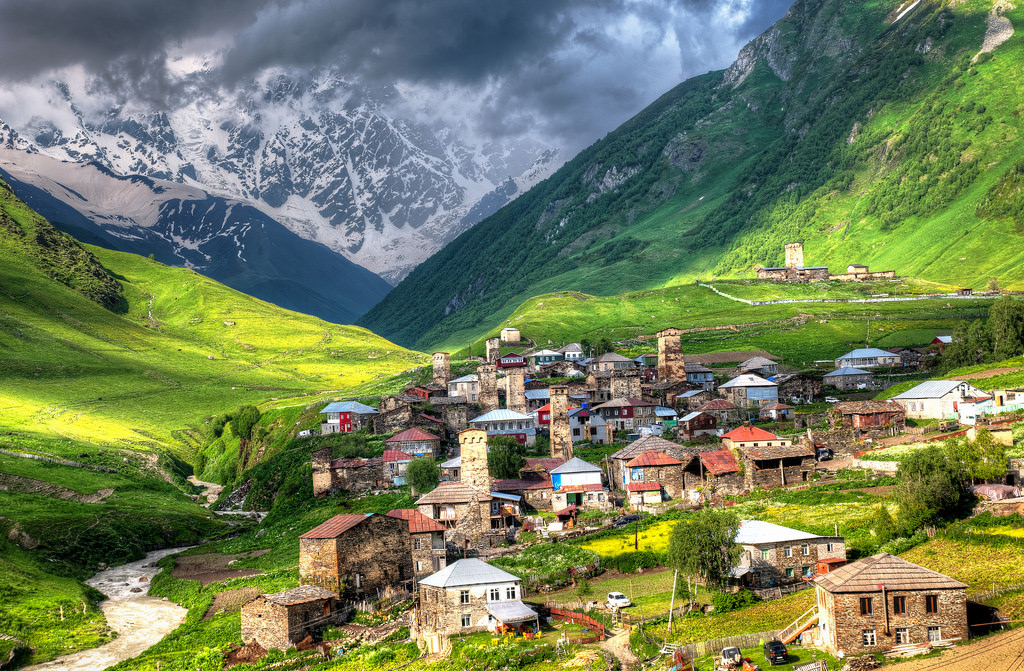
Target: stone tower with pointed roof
561 434
488 374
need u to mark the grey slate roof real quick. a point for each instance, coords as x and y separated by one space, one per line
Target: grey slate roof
468 572
453 463
871 573
537 394
865 353
472 377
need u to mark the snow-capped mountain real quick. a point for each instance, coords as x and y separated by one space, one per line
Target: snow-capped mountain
328 158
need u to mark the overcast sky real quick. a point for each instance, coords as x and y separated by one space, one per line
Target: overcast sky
566 71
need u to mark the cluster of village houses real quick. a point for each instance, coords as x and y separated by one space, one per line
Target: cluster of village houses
866 606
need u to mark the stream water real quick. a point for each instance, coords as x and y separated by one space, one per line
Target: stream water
139 620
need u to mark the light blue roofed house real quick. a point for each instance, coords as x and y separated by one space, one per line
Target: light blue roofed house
868 357
749 390
937 399
848 378
345 417
507 423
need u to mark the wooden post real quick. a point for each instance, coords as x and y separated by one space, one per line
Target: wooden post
671 607
61 606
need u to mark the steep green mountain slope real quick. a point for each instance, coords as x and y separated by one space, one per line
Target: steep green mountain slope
182 348
873 140
111 366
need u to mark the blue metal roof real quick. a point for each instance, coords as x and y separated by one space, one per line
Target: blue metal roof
349 406
866 353
537 394
846 370
501 415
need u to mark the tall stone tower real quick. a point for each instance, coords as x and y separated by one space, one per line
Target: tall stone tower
795 255
473 451
454 416
670 356
488 374
322 480
625 384
493 350
561 434
442 368
515 390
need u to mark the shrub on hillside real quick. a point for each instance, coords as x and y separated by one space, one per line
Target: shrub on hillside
725 603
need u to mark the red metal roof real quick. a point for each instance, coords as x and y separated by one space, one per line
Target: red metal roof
414 433
418 522
717 404
720 462
335 526
746 433
572 489
778 406
653 458
568 510
650 486
396 455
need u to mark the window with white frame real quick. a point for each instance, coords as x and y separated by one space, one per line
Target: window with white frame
805 549
510 592
464 596
416 544
902 635
934 634
467 619
868 637
494 594
788 551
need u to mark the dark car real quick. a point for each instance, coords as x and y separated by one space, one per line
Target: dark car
624 520
775 653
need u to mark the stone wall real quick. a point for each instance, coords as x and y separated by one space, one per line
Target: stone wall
561 433
322 472
455 417
442 368
860 277
377 550
625 384
843 625
673 479
394 415
846 382
488 387
798 387
362 478
769 475
775 274
430 554
440 611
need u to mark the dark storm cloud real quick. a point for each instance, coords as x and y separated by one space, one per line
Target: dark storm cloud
566 68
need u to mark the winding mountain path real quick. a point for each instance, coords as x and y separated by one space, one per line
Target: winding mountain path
140 620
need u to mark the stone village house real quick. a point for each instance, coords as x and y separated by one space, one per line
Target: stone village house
415 442
357 556
775 555
883 601
429 552
279 621
621 474
470 595
353 475
768 460
578 483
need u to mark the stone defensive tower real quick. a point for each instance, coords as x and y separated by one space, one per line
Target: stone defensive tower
322 472
670 356
624 384
561 434
473 451
454 416
795 255
493 350
488 374
515 390
442 368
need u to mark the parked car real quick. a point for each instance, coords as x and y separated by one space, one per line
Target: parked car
617 600
624 520
831 399
775 653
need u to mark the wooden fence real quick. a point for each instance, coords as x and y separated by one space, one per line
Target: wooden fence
563 615
780 591
695 650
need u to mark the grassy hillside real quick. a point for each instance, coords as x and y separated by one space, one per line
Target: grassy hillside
798 332
870 141
184 347
111 365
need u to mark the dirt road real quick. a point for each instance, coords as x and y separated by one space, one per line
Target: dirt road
1001 651
139 620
